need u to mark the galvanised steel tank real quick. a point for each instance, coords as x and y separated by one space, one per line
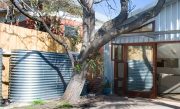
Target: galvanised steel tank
38 75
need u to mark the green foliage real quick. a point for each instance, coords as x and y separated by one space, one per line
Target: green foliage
77 68
95 63
92 64
64 105
38 102
69 6
75 41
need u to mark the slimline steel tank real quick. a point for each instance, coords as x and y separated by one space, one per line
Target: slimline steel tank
38 75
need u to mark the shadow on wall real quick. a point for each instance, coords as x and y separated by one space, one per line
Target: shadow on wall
54 65
140 72
15 37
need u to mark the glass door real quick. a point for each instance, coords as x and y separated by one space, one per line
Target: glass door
117 57
140 71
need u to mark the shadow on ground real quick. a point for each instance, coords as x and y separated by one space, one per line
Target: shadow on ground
113 102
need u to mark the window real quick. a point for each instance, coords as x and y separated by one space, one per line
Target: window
70 31
145 28
116 52
168 62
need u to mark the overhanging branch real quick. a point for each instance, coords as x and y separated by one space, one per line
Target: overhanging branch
111 23
122 28
35 18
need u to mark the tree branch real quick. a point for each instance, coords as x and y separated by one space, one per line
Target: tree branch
129 25
112 23
88 22
45 25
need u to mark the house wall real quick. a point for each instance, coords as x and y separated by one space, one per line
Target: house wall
168 19
108 65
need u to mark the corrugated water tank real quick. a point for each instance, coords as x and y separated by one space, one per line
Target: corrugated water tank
38 75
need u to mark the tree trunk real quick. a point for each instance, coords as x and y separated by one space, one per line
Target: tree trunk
74 89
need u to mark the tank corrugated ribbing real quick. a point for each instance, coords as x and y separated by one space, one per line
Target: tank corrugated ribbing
38 75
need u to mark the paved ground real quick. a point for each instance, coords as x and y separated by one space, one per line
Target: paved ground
113 102
137 103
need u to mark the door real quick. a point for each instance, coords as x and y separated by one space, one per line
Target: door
119 78
140 73
117 57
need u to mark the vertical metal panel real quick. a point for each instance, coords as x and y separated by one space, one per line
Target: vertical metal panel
108 64
168 19
38 75
0 76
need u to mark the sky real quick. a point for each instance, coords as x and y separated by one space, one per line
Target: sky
111 11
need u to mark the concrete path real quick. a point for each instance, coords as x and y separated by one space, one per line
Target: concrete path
137 103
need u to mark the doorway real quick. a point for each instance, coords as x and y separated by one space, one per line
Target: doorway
134 70
140 74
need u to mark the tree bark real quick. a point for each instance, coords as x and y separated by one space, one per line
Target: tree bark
75 86
74 89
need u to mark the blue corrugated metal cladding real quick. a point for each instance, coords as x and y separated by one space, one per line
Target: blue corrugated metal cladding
38 75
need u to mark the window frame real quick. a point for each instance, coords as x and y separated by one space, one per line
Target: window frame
72 27
153 27
114 53
114 58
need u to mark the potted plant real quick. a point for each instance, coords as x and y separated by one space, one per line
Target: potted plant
107 88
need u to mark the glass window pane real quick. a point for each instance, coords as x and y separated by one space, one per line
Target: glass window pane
70 31
113 52
117 52
140 77
168 62
145 28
